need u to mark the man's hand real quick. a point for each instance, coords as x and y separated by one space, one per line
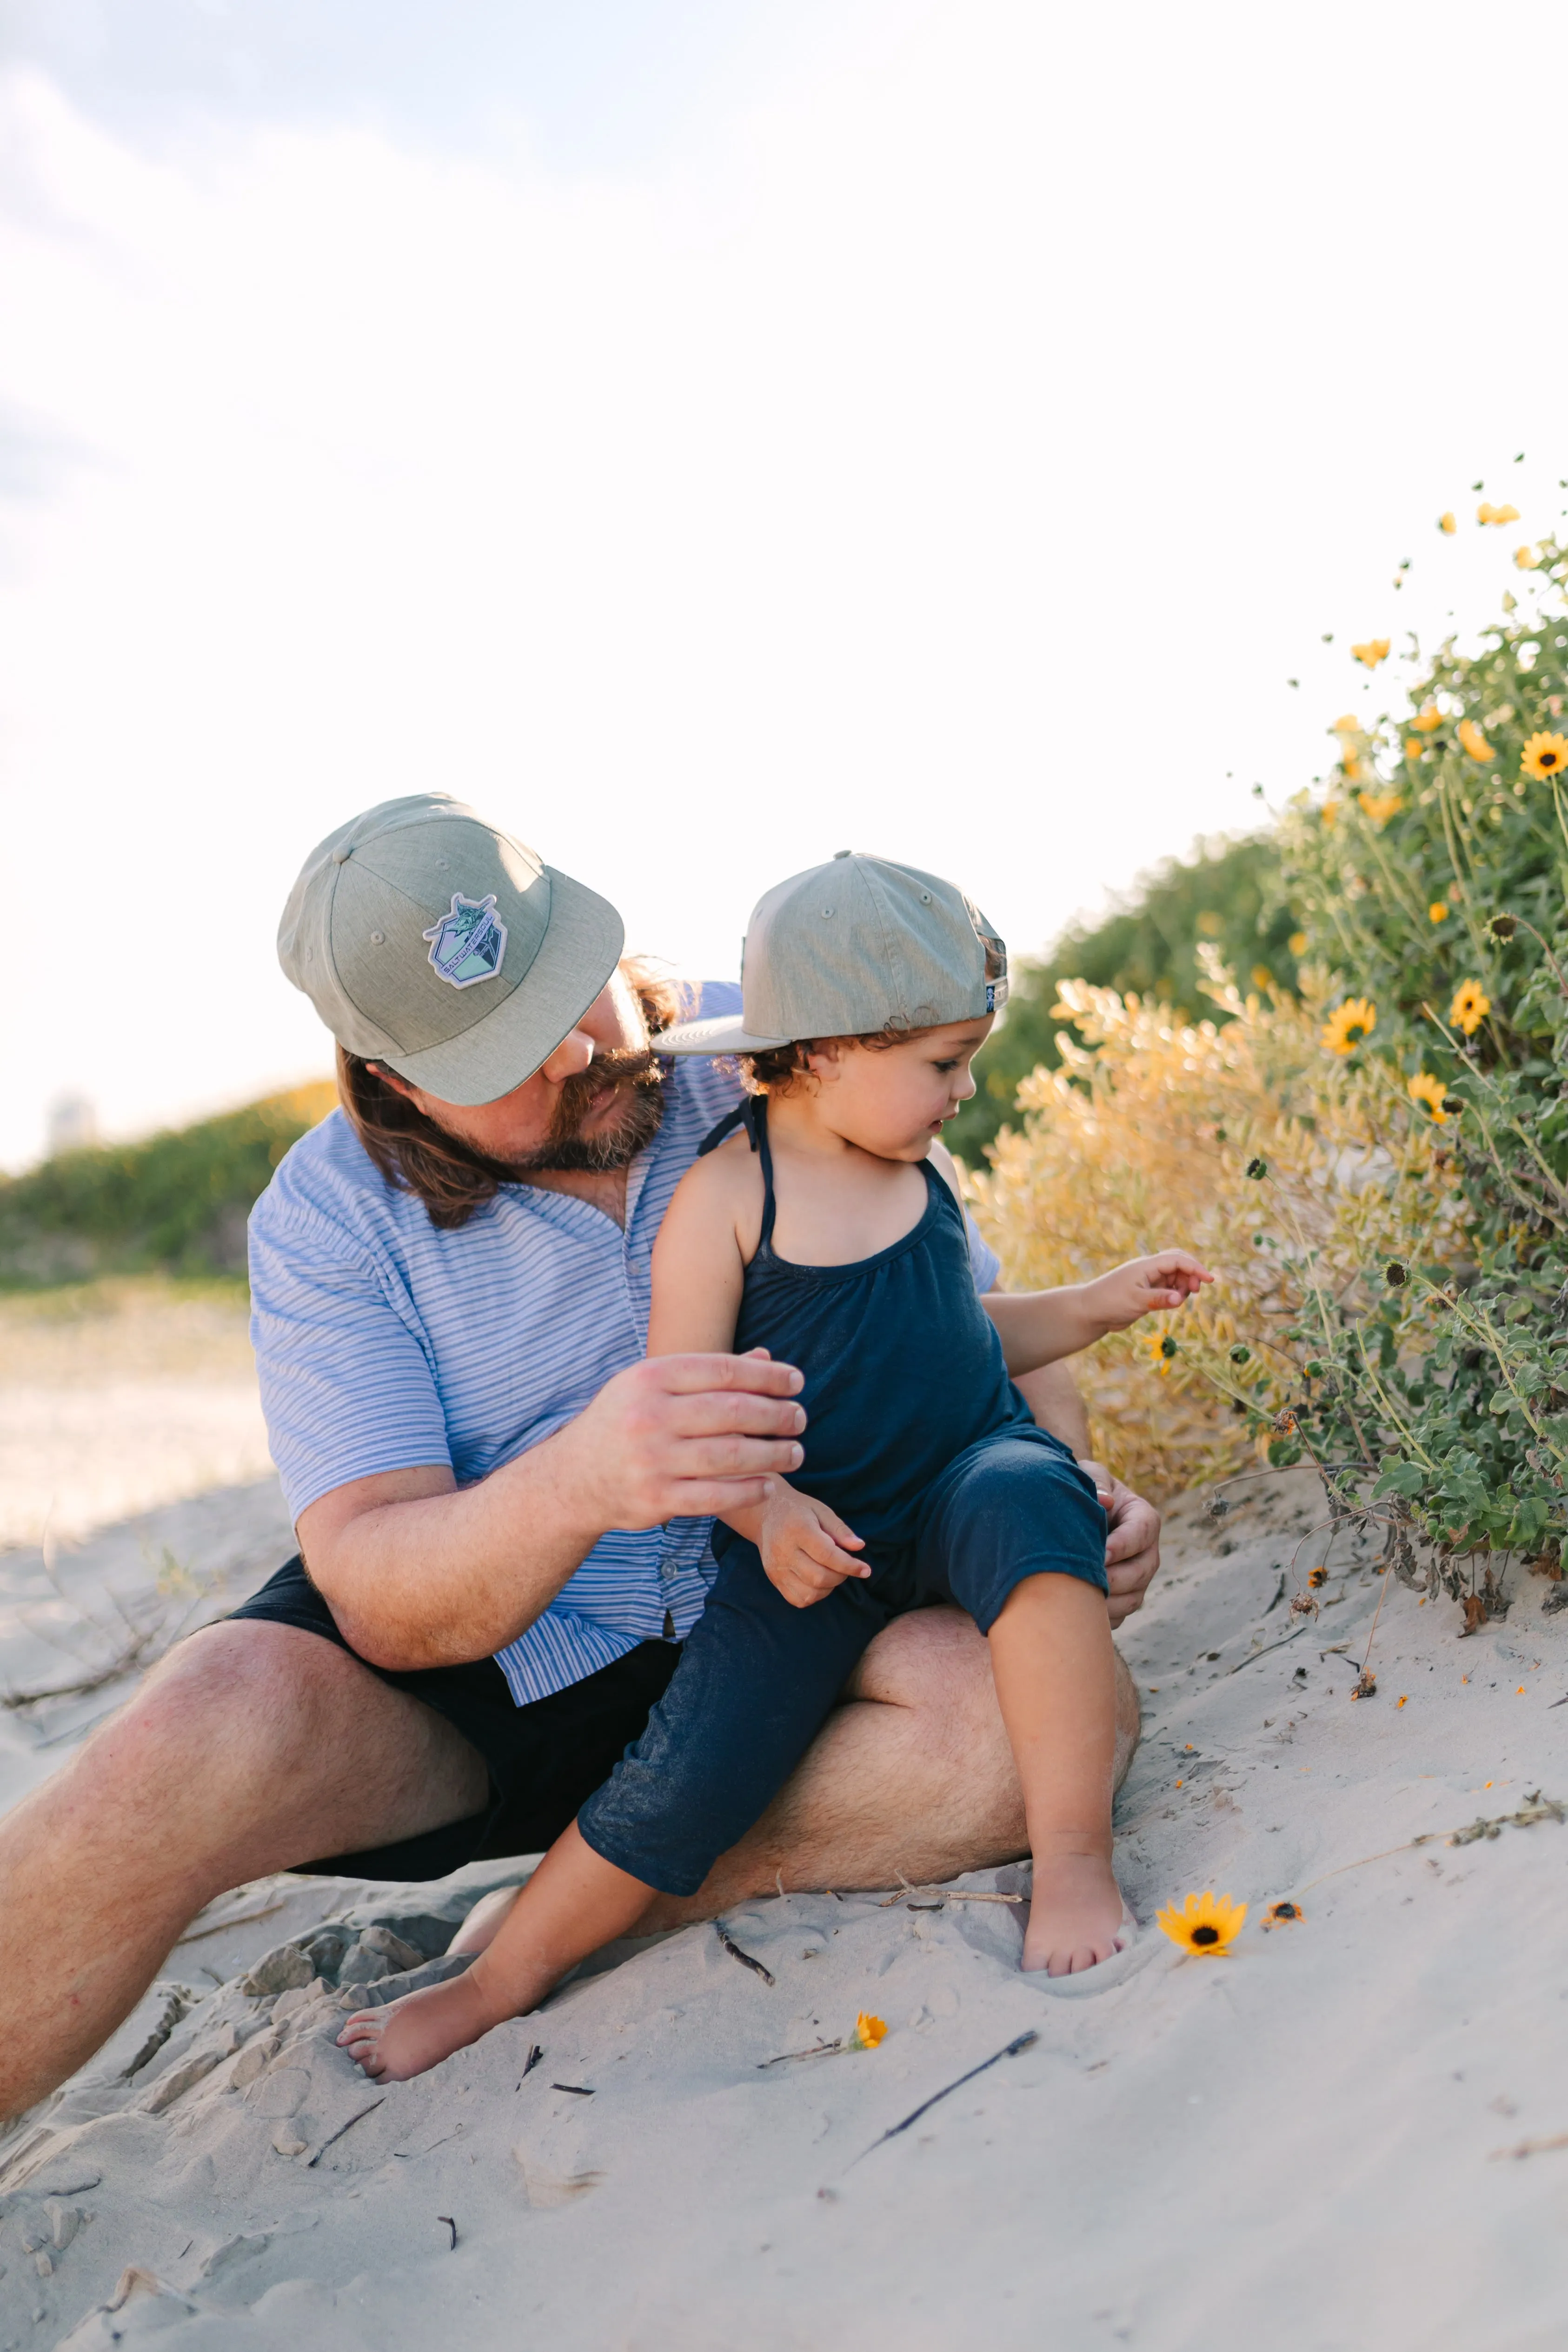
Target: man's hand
681 1437
1132 1545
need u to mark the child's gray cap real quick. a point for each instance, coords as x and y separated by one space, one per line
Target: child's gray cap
851 948
430 940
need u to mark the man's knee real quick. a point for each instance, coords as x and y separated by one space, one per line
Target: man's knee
937 1663
234 1698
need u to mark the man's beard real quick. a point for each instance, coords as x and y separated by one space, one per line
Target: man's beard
637 1080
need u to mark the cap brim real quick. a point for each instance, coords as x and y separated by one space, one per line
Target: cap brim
580 949
724 1035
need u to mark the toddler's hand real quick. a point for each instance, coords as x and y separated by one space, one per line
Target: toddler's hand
806 1548
1145 1285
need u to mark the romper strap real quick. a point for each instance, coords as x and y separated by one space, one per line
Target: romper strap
751 1114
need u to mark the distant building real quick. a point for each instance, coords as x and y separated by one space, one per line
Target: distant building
72 1124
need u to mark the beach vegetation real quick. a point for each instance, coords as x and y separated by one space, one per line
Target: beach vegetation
175 1202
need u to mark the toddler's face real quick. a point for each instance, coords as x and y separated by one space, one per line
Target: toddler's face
894 1100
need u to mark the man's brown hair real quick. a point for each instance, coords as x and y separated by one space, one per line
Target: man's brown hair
416 1156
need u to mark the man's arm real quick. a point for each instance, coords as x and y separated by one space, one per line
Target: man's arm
418 1573
1132 1545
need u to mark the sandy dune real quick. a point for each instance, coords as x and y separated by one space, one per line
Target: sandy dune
1308 2143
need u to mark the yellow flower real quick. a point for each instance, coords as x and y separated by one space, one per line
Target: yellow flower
1445 522
1497 515
1429 719
1349 725
1371 652
1158 1347
1526 558
1351 767
1261 976
1349 1024
1474 742
1381 806
1431 1091
1285 1915
868 2031
1296 943
1437 911
1329 811
1204 1925
1413 747
1470 1006
1543 756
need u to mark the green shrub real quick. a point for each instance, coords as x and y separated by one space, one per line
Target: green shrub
1228 898
1430 881
176 1202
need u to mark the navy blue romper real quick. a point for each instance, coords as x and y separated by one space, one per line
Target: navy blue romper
917 1439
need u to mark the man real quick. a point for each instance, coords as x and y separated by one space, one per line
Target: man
502 1508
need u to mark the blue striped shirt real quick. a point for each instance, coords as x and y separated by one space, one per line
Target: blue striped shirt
383 1343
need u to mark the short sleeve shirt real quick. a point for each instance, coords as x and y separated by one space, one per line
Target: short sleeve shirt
384 1343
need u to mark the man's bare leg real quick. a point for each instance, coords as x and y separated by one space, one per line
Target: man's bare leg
253 1748
914 1773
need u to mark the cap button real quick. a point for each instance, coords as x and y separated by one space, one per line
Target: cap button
341 856
842 853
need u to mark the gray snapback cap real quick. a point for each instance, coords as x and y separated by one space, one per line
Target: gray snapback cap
850 948
431 941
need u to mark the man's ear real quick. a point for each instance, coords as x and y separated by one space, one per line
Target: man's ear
390 1078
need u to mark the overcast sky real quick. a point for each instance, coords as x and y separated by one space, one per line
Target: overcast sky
709 434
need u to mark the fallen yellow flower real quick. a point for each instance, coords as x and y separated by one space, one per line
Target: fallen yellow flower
1370 651
869 2031
1204 1925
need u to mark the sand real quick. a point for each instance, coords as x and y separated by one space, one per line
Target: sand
119 1397
1350 2132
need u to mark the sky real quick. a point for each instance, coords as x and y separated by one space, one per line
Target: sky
706 436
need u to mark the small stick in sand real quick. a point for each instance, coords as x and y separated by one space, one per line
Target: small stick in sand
578 2089
453 2227
334 2137
531 2061
745 1958
1531 2147
948 1894
1022 2042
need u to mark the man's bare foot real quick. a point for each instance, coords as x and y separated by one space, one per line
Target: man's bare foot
1077 1916
420 2030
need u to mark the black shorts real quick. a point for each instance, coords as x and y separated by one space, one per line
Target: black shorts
544 1760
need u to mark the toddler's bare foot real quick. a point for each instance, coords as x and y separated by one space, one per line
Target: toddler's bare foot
420 2030
1077 1918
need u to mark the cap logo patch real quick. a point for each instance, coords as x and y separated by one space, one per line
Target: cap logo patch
468 944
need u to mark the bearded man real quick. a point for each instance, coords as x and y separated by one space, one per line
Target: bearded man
502 1507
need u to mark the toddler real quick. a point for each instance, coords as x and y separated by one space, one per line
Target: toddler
821 1224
